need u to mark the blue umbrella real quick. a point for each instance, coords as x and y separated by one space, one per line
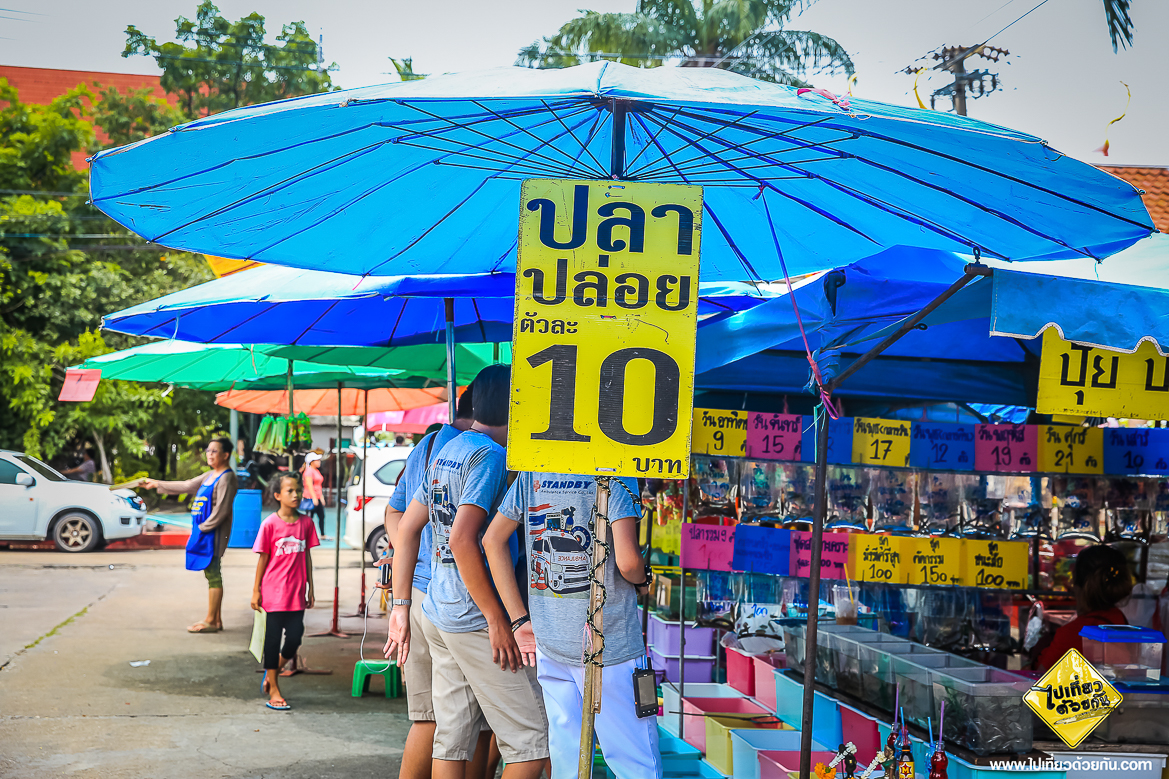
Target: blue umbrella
424 176
279 305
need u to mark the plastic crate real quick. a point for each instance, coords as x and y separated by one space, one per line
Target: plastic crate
672 701
786 765
719 751
665 636
674 751
693 769
763 668
789 707
697 669
985 712
740 672
748 745
860 729
696 710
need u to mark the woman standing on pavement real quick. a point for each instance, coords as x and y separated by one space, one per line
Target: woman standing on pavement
313 481
214 493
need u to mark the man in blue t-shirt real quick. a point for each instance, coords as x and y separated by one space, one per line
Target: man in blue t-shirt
467 629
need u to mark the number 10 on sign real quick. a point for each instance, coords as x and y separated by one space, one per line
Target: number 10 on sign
605 323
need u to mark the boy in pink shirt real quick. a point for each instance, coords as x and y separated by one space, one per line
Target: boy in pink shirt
284 581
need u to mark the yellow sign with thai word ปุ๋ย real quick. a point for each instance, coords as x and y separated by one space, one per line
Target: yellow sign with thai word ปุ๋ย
720 433
606 318
1072 698
1083 380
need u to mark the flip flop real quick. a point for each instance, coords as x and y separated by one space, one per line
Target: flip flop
203 627
278 707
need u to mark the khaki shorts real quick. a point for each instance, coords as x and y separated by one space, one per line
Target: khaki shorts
467 686
416 671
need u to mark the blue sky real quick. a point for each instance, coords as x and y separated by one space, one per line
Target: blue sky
1062 82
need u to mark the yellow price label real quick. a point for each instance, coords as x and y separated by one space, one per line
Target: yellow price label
1066 449
718 432
1073 698
878 558
605 324
1085 380
996 564
933 560
880 441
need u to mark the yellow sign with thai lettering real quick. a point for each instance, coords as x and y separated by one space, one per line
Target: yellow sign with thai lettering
1068 449
720 433
606 315
995 564
1088 381
1073 698
876 558
933 560
880 441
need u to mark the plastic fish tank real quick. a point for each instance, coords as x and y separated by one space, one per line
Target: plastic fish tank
914 673
878 680
1124 652
985 712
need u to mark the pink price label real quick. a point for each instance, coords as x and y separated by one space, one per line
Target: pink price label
774 436
707 547
833 555
1006 448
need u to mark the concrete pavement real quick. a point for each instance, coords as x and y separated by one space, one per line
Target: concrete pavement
71 704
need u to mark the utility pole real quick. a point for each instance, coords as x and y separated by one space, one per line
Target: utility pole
973 83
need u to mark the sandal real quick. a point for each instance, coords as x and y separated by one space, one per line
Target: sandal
203 627
278 705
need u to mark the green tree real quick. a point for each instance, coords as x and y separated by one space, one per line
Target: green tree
745 36
136 115
217 64
405 69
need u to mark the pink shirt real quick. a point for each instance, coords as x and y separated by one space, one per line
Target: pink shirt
313 480
284 586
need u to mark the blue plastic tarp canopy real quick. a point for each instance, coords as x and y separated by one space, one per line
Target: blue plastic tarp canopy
424 176
281 305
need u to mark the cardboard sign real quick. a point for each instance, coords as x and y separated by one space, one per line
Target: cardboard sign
707 547
933 560
762 550
1088 381
839 441
942 446
606 314
1073 698
1006 448
1066 449
719 432
1136 451
880 441
876 558
995 564
774 436
667 537
80 384
833 554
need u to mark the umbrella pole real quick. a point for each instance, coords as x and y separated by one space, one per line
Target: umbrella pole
649 527
338 470
291 412
364 441
452 398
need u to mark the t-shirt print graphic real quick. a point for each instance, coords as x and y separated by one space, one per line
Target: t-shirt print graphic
561 550
290 545
442 513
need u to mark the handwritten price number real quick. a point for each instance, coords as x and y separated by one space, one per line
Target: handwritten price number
719 440
987 579
773 444
932 574
938 452
877 445
876 573
1002 456
1133 461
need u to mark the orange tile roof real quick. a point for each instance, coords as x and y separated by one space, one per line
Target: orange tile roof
1154 180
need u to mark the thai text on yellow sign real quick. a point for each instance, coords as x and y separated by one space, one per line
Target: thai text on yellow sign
1072 698
605 323
933 560
1069 449
718 432
880 441
1089 381
995 564
876 558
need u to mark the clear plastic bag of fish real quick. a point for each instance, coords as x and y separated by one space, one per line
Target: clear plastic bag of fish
941 505
714 483
892 496
761 490
848 498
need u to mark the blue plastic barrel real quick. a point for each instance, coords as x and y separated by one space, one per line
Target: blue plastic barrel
245 521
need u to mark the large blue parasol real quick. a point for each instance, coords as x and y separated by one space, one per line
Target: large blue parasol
424 176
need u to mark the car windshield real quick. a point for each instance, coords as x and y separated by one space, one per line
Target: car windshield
39 467
561 544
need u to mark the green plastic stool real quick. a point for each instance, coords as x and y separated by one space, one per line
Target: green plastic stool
364 669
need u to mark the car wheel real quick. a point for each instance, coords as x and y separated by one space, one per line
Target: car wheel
377 544
76 532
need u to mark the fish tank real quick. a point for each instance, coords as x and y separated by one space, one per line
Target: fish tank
985 712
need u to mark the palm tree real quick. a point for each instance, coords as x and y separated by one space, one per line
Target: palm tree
1119 24
745 36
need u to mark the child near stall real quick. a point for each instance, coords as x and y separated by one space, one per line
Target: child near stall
284 581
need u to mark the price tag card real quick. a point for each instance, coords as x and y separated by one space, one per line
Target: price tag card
667 537
839 441
943 446
1066 449
880 441
1136 451
933 560
762 550
707 547
877 558
833 554
995 564
719 432
1006 448
774 436
606 311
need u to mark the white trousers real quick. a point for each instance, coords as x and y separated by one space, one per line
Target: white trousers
629 744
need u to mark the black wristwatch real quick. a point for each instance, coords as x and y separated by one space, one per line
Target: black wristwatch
649 577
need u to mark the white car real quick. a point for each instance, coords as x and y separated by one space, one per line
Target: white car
383 468
37 503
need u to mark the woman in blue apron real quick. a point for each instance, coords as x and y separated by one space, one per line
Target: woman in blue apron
210 525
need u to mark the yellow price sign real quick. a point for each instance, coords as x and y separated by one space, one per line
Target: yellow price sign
933 560
718 432
1066 449
878 558
1072 698
605 324
880 441
996 564
1085 380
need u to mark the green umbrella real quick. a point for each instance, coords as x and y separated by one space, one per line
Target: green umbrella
425 361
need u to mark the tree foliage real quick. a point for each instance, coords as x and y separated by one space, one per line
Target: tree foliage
217 64
745 36
133 116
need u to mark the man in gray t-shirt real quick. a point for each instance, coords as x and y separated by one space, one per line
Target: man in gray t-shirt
553 512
